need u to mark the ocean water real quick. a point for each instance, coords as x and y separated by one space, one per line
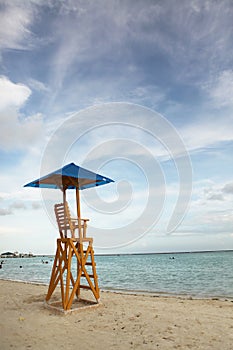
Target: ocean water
193 274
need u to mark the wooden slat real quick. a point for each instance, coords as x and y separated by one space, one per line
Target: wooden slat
91 276
84 286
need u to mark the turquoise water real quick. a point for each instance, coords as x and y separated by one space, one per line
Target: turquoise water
195 274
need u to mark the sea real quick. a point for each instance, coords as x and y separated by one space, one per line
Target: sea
199 274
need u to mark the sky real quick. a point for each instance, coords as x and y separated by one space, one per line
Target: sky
138 91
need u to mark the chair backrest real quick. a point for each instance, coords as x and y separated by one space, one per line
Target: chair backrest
68 225
64 221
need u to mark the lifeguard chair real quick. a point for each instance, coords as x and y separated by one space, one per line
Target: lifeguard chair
73 242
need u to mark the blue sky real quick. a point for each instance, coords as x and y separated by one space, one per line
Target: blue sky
120 87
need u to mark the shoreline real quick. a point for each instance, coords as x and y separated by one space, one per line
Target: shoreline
121 321
142 292
2 256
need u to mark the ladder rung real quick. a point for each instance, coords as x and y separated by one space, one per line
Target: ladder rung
85 287
91 276
90 263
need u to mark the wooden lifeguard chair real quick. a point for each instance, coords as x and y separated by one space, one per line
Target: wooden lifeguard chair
73 243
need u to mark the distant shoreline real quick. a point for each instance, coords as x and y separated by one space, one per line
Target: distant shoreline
171 253
124 254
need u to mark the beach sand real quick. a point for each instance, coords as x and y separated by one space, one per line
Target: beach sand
122 321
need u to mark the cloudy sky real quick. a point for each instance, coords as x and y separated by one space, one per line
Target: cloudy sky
139 91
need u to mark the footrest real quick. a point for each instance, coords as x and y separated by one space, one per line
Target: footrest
91 276
84 287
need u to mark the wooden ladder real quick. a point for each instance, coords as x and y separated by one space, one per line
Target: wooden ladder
93 276
62 273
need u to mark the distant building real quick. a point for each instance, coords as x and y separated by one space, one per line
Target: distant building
8 255
16 255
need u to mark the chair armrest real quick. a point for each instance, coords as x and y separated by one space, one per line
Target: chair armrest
85 220
76 219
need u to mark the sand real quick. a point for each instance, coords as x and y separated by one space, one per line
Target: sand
122 321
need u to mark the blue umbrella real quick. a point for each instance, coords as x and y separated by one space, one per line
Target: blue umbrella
71 176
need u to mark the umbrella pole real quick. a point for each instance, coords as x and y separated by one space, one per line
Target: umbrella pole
64 196
64 202
79 214
78 203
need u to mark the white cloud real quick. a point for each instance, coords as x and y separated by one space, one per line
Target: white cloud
228 188
5 211
207 132
38 85
36 205
210 210
16 133
219 192
11 94
220 89
19 204
215 197
15 21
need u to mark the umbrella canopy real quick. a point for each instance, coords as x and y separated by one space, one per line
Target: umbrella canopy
71 176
